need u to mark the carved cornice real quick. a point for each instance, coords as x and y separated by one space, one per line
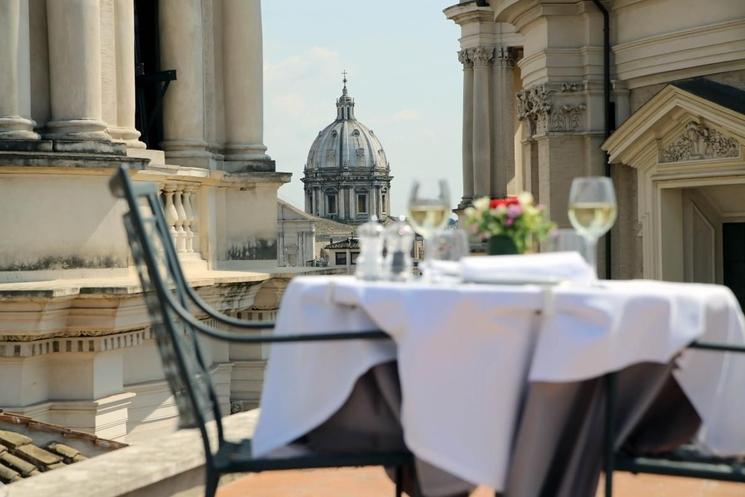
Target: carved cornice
697 142
537 106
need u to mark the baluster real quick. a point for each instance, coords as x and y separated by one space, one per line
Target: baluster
180 229
170 212
194 201
189 223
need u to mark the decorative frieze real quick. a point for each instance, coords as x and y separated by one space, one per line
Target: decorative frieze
537 106
698 142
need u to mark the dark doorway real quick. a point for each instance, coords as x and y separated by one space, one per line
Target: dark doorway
733 259
151 81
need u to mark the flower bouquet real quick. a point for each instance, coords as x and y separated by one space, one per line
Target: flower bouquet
511 225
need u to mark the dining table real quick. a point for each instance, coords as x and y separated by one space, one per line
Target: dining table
494 376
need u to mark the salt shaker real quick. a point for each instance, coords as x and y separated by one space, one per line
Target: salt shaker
370 260
399 239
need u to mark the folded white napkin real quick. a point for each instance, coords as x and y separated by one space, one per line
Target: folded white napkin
550 267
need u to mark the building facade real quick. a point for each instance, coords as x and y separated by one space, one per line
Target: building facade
172 88
533 119
347 175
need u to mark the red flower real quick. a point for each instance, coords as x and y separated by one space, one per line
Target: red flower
496 202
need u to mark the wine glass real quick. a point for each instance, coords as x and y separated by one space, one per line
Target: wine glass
429 210
592 211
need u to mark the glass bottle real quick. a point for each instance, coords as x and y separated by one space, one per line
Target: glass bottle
370 260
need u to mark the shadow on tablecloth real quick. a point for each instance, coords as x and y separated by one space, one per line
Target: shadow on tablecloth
558 442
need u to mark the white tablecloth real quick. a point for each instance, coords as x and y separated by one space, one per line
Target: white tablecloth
466 352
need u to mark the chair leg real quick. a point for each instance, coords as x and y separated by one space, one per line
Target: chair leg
609 439
211 482
399 481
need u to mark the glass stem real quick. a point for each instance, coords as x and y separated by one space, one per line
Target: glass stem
592 254
429 256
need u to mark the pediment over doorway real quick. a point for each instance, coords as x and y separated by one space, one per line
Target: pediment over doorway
687 123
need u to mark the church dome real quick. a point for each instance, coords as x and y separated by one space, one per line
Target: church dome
346 142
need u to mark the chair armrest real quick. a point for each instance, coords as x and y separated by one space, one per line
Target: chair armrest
261 338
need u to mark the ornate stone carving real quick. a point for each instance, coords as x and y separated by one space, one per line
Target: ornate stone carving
537 107
534 105
700 143
481 56
464 58
567 117
504 56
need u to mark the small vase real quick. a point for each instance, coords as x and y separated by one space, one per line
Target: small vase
501 245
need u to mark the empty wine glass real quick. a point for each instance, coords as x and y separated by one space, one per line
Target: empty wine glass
592 211
429 210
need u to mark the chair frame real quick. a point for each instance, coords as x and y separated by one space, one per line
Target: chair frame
689 465
168 311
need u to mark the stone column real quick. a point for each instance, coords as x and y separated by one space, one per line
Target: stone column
182 46
124 32
15 75
463 57
482 58
503 122
75 69
243 75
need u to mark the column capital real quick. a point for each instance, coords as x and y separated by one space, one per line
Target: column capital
553 107
481 56
504 56
465 58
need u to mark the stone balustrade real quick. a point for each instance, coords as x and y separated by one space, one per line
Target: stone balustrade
182 214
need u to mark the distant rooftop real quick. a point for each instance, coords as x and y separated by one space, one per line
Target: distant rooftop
29 447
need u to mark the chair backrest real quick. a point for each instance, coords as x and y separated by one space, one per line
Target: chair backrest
164 286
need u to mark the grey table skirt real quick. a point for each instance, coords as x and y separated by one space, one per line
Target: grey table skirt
557 446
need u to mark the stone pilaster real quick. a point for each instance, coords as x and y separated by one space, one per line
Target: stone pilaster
482 58
124 129
558 123
15 79
75 70
243 76
182 47
463 57
503 122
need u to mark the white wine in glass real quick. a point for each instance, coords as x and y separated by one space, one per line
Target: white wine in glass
426 218
429 210
592 219
592 211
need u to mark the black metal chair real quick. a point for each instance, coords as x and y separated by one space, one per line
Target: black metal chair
684 462
169 301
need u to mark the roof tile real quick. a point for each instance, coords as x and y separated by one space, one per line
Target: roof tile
12 439
37 455
8 475
24 467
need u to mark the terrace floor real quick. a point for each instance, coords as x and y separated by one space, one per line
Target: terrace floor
372 482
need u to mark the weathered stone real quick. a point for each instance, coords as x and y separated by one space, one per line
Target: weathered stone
63 450
90 147
27 145
8 475
12 439
24 467
37 455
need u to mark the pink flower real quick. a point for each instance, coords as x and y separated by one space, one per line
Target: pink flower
514 210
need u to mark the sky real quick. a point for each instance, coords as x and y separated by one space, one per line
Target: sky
403 71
